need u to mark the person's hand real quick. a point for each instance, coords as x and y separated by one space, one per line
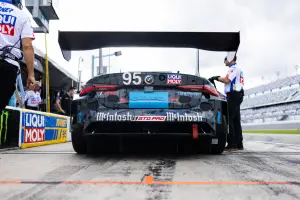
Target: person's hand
211 80
214 78
63 111
30 81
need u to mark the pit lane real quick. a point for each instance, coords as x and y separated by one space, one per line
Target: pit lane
44 172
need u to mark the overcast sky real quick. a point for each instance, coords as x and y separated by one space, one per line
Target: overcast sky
270 31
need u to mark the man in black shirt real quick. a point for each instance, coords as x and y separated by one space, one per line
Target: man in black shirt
64 102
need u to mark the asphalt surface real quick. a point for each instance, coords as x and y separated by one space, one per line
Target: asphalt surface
44 172
287 139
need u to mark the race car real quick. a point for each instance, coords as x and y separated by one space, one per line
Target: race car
150 103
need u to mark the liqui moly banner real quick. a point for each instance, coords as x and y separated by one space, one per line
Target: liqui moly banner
39 128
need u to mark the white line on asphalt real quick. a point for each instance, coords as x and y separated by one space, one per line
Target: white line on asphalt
276 143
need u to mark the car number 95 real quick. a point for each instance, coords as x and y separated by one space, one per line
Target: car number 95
132 78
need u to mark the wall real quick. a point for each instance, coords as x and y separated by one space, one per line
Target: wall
27 128
9 131
283 125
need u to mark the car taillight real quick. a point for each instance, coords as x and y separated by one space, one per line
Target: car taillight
96 88
200 88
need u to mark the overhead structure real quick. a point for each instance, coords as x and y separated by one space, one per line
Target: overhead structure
210 41
42 12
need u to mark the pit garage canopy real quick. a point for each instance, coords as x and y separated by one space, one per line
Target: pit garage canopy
210 41
58 76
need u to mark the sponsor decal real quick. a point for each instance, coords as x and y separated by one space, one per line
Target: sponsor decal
34 128
148 100
174 79
197 117
219 117
149 79
107 93
3 126
151 118
4 9
9 128
114 117
61 131
7 24
110 93
168 117
61 123
190 94
241 78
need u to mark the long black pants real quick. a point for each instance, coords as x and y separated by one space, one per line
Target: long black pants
8 77
234 101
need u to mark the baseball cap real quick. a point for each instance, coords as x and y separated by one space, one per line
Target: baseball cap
230 56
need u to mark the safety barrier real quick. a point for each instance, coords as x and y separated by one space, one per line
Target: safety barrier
9 127
278 125
27 128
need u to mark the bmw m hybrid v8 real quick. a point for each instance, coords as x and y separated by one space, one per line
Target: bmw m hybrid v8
158 103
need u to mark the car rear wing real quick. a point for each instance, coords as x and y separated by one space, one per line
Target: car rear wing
210 41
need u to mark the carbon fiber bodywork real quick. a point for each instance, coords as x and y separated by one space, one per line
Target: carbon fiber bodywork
104 112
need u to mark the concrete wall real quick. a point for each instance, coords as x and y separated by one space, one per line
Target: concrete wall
273 125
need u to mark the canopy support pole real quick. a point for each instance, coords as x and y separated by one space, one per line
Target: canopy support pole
198 64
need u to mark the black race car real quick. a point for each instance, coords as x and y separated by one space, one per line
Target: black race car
161 103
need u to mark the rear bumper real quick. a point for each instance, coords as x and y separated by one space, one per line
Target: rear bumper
149 128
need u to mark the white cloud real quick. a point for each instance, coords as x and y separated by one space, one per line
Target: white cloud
270 32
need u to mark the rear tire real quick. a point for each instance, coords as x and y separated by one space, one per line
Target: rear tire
219 148
222 139
78 141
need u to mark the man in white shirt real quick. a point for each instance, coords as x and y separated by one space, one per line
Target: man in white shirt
15 32
234 84
33 98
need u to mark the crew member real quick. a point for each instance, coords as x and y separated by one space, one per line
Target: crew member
234 83
33 97
64 102
21 94
15 31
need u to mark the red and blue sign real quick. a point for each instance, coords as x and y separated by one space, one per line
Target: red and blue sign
42 128
174 79
7 24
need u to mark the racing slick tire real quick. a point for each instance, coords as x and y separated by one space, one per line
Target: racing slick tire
221 134
78 141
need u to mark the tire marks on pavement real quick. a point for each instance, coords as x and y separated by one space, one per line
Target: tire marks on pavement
87 173
253 166
161 170
37 191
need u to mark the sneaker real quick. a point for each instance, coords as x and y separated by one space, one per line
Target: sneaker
233 149
227 147
230 148
241 147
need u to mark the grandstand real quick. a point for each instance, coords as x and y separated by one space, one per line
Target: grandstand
276 101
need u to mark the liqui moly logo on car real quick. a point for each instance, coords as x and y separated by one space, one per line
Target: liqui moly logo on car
7 24
174 79
34 130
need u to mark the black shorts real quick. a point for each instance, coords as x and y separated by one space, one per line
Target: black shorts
8 77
